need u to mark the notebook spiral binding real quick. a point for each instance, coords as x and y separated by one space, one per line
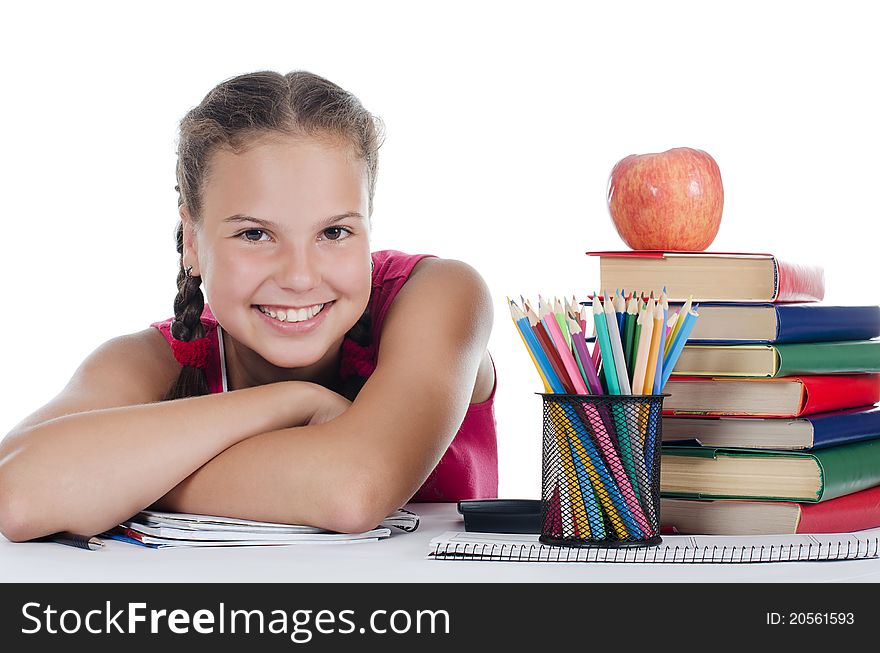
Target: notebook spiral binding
660 554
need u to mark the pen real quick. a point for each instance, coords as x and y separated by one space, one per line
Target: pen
79 541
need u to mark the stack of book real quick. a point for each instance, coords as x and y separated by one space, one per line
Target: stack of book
770 423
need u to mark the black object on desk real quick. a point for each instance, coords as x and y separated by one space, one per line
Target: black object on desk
73 539
501 515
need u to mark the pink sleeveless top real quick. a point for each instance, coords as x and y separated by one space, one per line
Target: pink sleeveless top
469 468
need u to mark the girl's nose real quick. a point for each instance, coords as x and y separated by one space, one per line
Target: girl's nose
298 270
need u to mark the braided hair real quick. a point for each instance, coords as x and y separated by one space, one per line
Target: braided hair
232 116
187 325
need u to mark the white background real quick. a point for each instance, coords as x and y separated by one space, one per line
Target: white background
503 123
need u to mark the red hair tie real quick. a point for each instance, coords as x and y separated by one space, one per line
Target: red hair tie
193 353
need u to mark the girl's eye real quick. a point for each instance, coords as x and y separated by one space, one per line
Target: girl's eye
250 232
336 233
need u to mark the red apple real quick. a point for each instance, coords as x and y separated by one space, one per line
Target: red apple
667 201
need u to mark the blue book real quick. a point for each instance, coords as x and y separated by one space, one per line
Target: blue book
782 323
818 431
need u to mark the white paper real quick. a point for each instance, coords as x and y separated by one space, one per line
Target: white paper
674 548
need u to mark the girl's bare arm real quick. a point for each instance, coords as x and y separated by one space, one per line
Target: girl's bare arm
107 447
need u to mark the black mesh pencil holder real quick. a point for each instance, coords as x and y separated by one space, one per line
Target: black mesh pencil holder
600 480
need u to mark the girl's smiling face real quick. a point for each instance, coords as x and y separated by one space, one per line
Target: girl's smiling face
284 230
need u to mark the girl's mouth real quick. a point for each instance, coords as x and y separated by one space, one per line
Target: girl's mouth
291 314
294 320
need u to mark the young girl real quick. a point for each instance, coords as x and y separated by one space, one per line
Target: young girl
321 384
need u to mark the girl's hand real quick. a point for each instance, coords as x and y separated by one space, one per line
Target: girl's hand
328 406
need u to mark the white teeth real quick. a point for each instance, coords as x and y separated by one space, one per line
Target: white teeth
293 314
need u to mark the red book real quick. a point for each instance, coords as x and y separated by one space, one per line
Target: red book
787 396
851 512
711 276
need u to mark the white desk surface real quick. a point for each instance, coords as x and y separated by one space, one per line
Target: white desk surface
400 558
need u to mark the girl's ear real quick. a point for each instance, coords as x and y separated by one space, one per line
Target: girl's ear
190 243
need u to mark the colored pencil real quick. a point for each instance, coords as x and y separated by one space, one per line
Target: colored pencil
572 327
613 502
658 373
670 325
543 337
559 314
683 334
538 351
562 348
670 339
629 326
625 478
654 351
619 304
637 331
573 492
616 349
583 353
604 344
644 346
541 352
553 519
516 315
595 522
630 453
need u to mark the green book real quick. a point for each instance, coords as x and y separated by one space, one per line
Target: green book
810 476
841 357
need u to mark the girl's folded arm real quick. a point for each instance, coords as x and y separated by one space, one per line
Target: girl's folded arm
106 446
348 473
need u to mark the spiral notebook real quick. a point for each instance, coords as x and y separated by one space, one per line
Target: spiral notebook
454 545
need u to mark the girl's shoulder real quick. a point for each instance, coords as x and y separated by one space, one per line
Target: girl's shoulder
393 270
146 356
141 363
